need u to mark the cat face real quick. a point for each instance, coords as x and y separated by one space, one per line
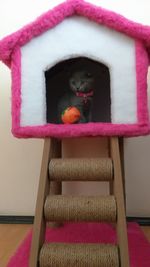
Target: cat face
81 81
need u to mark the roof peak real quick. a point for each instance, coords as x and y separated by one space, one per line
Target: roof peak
72 1
66 9
75 2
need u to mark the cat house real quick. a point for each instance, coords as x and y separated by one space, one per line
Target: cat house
79 35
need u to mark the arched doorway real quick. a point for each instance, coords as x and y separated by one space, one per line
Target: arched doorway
57 84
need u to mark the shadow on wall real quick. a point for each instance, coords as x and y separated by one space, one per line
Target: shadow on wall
57 84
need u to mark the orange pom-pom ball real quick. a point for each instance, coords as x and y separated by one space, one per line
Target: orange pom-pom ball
70 115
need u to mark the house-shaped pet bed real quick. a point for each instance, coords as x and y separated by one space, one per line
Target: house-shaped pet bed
79 35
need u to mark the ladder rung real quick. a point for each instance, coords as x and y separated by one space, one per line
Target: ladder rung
95 169
79 255
80 208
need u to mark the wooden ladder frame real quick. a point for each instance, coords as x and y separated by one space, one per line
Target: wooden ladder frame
52 149
119 193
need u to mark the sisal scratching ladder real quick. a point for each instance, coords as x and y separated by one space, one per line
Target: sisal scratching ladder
54 207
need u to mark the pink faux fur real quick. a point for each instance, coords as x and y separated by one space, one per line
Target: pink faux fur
11 55
78 7
142 63
80 130
16 89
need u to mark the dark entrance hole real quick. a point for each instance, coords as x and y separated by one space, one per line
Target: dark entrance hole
57 84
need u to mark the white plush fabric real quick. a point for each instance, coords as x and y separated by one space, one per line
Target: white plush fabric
75 37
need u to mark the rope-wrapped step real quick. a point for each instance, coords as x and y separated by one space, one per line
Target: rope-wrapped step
80 208
59 208
78 255
96 169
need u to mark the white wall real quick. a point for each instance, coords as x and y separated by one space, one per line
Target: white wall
20 159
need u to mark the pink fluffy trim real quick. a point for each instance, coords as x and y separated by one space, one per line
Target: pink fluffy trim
69 8
142 63
80 130
16 89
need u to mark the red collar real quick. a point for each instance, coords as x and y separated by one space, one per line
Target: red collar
85 95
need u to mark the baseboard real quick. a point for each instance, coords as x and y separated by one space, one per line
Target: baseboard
16 219
143 221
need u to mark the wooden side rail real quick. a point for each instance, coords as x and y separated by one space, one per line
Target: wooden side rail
118 191
52 149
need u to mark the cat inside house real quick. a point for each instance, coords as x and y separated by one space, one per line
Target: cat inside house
79 95
78 83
